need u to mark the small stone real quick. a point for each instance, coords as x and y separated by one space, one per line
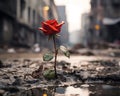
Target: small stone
32 81
6 77
74 67
25 66
11 50
58 82
11 89
1 64
16 60
85 85
1 92
17 81
28 85
15 77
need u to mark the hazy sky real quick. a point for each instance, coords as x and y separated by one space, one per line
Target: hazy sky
74 9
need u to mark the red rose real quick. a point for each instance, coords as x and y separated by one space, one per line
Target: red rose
51 27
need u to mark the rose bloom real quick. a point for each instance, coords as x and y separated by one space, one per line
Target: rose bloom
51 27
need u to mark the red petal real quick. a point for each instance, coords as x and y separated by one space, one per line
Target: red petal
42 29
45 31
52 22
51 27
47 26
60 25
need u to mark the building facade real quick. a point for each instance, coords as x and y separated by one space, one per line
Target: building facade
20 20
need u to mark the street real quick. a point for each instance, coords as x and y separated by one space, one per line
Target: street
18 69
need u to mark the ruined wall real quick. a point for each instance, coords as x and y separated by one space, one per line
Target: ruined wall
20 20
106 15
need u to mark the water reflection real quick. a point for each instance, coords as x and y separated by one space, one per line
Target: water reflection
74 90
89 90
77 91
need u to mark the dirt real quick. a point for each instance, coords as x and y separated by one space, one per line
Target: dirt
22 71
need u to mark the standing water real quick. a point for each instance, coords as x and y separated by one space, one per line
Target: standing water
73 90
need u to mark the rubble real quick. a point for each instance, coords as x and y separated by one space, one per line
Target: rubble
17 71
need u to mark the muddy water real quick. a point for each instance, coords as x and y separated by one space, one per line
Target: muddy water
74 90
89 90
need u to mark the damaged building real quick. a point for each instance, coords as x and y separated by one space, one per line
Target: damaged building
105 20
20 20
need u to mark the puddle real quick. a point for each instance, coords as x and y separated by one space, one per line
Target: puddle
74 90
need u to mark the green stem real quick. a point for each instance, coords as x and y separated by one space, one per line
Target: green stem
56 52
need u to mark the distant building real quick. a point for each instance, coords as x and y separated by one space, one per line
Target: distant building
7 19
62 17
20 20
105 19
86 35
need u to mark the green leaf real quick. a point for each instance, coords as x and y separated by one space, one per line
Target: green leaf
47 56
63 48
67 54
49 74
65 51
